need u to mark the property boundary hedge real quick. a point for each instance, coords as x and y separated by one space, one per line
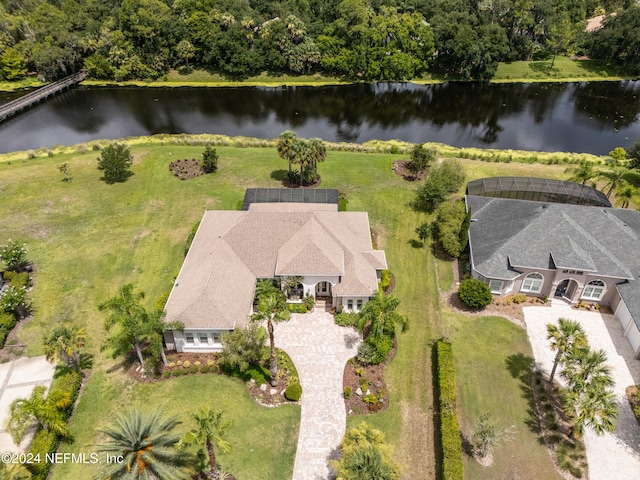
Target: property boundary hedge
46 442
452 466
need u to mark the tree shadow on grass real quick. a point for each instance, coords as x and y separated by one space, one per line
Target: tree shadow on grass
279 175
416 243
521 367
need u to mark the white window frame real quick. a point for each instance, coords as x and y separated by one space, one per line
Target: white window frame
349 304
589 290
491 287
203 334
535 280
189 338
359 303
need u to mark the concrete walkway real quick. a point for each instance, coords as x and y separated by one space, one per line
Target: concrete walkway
17 380
320 349
616 455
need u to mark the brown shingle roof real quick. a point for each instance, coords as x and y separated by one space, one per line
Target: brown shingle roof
232 249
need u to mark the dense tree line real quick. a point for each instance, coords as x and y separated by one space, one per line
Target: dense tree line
357 39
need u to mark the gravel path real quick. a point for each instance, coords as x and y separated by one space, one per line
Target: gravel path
616 455
320 349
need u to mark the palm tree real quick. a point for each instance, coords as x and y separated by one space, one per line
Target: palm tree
565 337
380 313
614 178
582 173
625 194
271 308
366 462
148 446
288 147
210 429
46 410
63 344
126 312
589 391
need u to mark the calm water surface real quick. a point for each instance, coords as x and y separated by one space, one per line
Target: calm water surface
581 117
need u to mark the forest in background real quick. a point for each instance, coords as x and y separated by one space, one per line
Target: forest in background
366 40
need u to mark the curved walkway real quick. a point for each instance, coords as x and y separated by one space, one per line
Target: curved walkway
320 349
612 456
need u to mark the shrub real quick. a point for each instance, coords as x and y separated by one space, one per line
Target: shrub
347 392
186 364
162 299
452 466
366 353
115 162
371 398
420 158
475 293
14 255
16 279
293 392
452 224
197 363
443 180
519 298
205 369
297 307
15 300
209 160
346 319
43 443
309 301
375 350
211 363
166 373
194 369
385 280
360 372
189 241
177 372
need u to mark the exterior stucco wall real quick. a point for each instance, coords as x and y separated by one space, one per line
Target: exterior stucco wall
344 301
212 345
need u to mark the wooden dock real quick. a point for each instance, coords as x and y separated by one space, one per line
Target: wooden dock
27 101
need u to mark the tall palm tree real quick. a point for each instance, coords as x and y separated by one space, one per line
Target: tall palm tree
614 179
583 172
565 337
148 445
271 308
63 344
380 313
209 431
46 410
128 314
625 194
288 147
585 367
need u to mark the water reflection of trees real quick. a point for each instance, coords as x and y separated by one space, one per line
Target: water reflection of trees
611 104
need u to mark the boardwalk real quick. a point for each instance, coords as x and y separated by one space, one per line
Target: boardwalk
26 101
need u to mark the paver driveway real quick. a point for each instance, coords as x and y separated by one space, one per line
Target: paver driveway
616 455
320 349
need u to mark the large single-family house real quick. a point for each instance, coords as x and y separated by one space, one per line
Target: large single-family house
576 253
330 250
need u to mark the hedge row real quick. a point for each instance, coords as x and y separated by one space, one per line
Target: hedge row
46 442
452 467
7 322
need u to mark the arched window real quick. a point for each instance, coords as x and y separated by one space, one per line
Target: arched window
532 283
593 290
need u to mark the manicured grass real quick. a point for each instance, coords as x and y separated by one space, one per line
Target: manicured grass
564 70
87 238
491 355
263 440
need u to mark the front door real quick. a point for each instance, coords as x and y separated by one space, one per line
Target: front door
323 289
562 288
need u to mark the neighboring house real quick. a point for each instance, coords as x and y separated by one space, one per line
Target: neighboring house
576 253
231 250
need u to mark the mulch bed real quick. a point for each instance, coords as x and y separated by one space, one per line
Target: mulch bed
186 169
373 375
400 168
262 396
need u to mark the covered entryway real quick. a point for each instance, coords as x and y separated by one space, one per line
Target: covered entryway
323 290
566 289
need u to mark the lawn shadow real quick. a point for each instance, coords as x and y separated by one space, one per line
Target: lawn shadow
279 175
520 367
543 66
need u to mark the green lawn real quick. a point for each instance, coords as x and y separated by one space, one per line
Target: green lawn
491 355
87 238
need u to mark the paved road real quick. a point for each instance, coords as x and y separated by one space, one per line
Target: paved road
616 455
17 380
320 349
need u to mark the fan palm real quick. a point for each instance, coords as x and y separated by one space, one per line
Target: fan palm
128 314
63 344
46 410
565 337
595 407
587 367
271 308
148 446
210 430
615 178
582 173
380 313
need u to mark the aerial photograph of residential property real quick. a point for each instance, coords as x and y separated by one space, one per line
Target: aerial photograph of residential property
319 240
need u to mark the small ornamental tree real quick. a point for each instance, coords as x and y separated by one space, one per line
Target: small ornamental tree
115 161
474 293
420 158
209 160
14 255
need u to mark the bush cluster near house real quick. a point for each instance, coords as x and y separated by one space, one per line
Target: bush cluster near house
420 158
443 180
474 293
452 466
452 227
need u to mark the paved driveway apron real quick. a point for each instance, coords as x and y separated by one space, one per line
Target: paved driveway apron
616 455
320 349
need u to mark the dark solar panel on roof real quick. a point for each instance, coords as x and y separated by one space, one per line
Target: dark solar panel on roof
288 195
538 189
